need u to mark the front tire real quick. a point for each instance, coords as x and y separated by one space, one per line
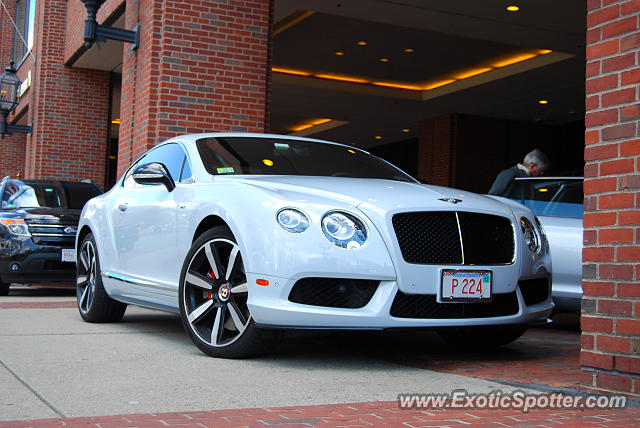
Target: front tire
94 303
482 337
213 298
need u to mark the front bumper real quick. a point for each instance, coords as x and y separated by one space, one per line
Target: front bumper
24 262
272 308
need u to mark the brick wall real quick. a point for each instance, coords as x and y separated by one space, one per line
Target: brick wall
69 108
202 66
611 255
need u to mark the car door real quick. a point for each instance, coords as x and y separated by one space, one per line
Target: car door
145 221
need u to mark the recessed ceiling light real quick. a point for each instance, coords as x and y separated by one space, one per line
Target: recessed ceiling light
406 130
384 59
543 102
362 43
513 8
378 137
408 50
339 53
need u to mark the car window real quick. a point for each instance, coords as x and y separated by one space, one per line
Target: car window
552 198
267 156
79 193
20 194
172 156
186 170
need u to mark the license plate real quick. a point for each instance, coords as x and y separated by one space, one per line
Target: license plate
68 255
466 285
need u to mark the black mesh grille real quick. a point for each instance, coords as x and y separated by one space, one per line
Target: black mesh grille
425 306
333 292
487 239
534 290
428 237
433 238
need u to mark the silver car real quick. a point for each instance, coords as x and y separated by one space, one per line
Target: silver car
558 203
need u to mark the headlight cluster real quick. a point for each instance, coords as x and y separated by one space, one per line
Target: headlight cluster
530 234
343 229
16 226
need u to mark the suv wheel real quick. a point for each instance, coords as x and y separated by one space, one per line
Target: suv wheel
4 288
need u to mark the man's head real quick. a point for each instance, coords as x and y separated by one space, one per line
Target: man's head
537 162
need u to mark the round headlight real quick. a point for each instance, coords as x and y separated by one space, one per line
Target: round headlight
530 235
292 220
344 230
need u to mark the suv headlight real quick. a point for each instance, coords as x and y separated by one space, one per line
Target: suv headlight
343 229
292 220
16 226
530 235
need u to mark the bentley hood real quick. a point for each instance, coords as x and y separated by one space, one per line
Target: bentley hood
377 195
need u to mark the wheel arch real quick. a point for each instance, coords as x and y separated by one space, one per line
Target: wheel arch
84 231
207 223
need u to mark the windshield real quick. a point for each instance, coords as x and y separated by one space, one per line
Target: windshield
273 156
550 197
18 194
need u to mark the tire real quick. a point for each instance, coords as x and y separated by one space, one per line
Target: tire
94 303
213 297
4 289
482 337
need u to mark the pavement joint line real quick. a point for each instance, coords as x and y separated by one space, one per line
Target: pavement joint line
33 391
84 334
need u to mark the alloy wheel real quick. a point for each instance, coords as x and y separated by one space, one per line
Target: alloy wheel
215 293
86 279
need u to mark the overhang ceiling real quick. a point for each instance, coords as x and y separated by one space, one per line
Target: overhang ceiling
458 63
447 41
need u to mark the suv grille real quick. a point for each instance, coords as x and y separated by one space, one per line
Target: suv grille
333 292
51 234
425 306
451 237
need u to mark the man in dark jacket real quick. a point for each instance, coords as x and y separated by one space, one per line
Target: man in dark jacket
535 163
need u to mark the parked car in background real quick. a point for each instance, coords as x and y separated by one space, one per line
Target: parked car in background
558 203
38 224
239 233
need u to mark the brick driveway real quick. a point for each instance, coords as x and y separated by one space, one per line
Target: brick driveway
545 360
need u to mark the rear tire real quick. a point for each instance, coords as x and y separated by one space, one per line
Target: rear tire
482 337
213 298
4 289
94 303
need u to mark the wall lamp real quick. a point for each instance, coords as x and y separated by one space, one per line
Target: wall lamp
100 33
9 87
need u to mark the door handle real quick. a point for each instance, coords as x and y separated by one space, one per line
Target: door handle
123 207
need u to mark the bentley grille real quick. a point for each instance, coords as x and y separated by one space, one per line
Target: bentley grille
454 238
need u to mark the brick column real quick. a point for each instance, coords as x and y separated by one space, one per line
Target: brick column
202 66
611 255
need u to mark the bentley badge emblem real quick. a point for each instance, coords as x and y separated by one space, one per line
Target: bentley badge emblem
452 200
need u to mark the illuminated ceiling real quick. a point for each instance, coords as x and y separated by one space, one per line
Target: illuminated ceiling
381 66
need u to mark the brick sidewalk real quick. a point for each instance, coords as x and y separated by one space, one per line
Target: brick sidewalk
369 414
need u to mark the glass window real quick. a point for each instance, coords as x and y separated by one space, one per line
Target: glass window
79 193
186 170
171 155
25 22
552 197
266 156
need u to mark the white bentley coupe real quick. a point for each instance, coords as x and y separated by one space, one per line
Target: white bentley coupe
241 233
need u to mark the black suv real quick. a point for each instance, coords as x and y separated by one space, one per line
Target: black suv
38 223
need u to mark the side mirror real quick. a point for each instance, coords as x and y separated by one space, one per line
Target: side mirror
153 173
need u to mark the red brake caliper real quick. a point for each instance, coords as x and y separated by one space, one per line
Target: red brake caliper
212 277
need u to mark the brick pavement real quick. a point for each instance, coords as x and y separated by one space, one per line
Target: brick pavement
368 414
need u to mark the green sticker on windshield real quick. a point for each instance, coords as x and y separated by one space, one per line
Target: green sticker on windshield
48 189
226 170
